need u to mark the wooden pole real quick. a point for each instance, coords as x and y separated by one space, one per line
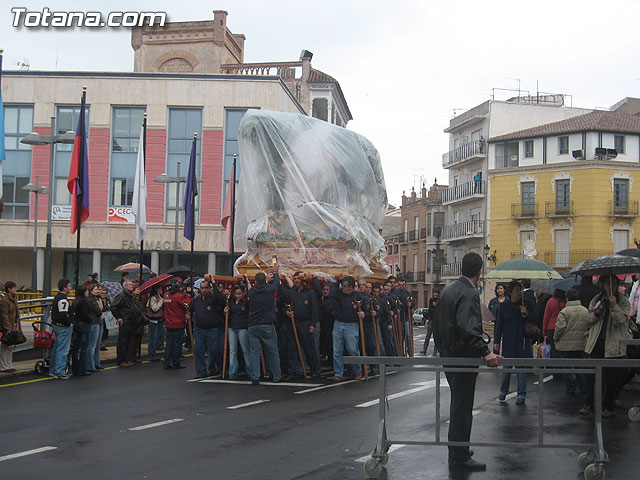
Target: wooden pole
226 338
193 345
295 334
411 332
264 368
376 326
364 351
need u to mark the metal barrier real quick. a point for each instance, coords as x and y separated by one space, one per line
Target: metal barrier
591 460
35 308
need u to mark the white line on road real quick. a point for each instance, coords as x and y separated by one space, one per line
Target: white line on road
248 404
28 452
157 424
279 384
399 394
337 384
392 448
544 380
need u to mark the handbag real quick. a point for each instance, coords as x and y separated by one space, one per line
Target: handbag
531 330
15 337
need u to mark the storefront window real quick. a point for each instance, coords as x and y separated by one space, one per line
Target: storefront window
16 168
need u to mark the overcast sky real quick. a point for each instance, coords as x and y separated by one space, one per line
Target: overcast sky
404 66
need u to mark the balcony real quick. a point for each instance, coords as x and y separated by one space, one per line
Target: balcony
413 235
553 209
569 259
519 211
402 237
623 209
520 255
421 277
464 192
470 229
451 270
423 233
469 151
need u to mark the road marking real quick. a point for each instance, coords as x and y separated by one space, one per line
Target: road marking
272 384
157 424
392 448
398 395
322 387
25 382
544 380
28 452
248 404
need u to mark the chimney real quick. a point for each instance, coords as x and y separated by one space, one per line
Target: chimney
404 199
413 194
424 191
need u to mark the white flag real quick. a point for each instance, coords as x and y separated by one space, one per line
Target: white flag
139 205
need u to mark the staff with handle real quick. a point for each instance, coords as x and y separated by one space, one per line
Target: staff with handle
295 334
376 331
188 316
226 336
398 327
364 351
410 299
393 327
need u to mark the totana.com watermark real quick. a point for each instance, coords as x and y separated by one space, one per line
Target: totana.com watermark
46 18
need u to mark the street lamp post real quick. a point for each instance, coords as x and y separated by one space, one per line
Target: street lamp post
37 190
164 178
51 140
486 249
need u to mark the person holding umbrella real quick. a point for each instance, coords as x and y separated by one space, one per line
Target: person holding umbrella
510 334
608 324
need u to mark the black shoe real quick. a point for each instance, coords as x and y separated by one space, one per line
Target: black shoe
520 401
84 374
103 349
606 413
255 382
179 366
470 465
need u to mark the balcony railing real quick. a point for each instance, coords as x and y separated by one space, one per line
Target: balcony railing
413 235
554 209
421 277
475 148
524 211
402 237
410 277
623 209
521 255
471 228
451 269
464 191
423 233
561 259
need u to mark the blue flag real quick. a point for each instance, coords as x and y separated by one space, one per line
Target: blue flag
190 193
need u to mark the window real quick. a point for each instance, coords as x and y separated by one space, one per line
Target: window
528 198
183 122
438 223
126 125
618 143
563 145
231 126
563 195
428 224
528 148
16 168
416 222
620 192
66 120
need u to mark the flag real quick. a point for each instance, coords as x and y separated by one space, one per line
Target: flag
2 154
190 193
78 181
228 214
139 205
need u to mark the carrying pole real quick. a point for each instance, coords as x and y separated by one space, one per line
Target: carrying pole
295 334
226 338
376 329
193 345
364 352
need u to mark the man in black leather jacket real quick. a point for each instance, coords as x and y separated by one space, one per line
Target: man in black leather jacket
457 332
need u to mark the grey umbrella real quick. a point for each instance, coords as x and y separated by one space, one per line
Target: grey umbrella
630 252
607 265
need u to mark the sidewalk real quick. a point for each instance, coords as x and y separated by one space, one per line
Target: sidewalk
27 367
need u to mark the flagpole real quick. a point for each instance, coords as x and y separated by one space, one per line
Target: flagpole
233 204
79 183
144 164
193 206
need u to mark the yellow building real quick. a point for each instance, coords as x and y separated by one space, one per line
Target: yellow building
564 192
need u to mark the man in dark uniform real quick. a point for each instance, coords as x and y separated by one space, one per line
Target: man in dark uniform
383 316
393 316
207 308
408 305
302 307
457 331
367 323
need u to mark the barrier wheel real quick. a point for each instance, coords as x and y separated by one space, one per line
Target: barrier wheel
373 468
585 459
634 414
594 472
39 367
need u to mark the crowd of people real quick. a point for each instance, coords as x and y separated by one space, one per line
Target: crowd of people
278 327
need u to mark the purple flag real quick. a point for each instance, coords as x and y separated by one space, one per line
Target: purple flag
190 192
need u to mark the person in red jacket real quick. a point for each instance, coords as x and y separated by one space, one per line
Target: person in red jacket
175 305
551 311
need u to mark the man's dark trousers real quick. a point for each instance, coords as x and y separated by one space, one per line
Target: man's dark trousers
462 386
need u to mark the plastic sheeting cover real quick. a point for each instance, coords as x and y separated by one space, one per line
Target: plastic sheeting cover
310 191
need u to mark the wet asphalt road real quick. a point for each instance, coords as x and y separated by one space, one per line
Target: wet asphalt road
282 433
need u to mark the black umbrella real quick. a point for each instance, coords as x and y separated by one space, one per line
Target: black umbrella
178 269
630 252
607 265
